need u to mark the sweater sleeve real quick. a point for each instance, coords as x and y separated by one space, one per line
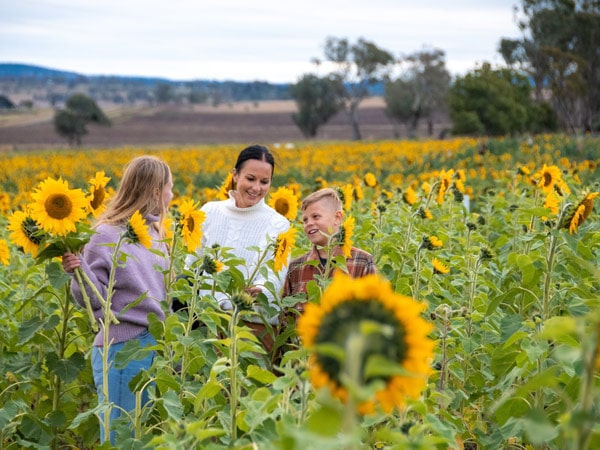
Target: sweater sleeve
96 263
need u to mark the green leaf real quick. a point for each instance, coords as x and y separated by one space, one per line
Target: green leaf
172 405
261 375
57 276
67 369
538 428
325 421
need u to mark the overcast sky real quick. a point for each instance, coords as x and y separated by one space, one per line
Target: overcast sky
242 40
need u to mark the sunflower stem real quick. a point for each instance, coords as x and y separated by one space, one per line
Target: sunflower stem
233 373
86 299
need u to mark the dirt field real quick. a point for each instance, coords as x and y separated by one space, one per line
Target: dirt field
170 125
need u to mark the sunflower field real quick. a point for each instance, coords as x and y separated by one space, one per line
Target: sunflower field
481 329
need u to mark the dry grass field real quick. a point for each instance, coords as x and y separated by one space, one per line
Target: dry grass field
180 125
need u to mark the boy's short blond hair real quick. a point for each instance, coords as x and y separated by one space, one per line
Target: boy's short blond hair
329 194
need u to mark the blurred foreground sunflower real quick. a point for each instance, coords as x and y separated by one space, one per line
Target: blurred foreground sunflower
57 208
285 202
380 332
137 230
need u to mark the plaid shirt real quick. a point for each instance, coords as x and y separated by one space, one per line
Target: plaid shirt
299 273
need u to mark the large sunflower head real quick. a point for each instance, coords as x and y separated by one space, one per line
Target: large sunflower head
227 186
98 194
372 325
137 231
285 202
190 222
4 253
26 232
283 248
57 208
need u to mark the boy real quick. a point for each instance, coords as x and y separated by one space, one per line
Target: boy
322 217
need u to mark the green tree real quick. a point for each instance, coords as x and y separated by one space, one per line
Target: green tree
356 68
559 50
420 92
71 122
495 102
317 99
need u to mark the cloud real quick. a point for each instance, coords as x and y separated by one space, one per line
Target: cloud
241 40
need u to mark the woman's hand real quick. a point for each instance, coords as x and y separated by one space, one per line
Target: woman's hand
70 262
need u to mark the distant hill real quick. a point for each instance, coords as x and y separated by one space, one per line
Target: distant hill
46 85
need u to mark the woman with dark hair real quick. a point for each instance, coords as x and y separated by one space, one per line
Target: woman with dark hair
243 223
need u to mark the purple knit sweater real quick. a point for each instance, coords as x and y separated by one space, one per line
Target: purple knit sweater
142 274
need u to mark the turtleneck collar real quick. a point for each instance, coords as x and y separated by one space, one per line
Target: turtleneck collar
232 206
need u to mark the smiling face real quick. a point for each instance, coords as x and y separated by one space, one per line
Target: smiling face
321 220
252 181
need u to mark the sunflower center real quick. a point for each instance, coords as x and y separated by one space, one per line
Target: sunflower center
547 179
189 224
345 319
282 206
98 198
58 206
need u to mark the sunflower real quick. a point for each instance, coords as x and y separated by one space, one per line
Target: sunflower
211 265
547 177
137 230
26 232
285 202
424 213
346 192
370 180
226 187
398 334
439 267
551 202
283 247
444 182
582 212
168 228
190 221
4 253
4 202
432 242
98 194
57 208
345 236
410 196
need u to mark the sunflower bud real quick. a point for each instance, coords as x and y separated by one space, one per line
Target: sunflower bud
242 301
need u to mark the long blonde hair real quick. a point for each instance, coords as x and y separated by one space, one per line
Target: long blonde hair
143 177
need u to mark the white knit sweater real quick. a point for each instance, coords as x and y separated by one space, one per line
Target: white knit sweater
240 229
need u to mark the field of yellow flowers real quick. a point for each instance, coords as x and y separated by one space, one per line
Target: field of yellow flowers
481 330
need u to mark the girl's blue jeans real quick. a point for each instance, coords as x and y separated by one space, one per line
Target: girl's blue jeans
119 378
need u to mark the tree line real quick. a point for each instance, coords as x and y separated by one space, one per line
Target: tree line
551 79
